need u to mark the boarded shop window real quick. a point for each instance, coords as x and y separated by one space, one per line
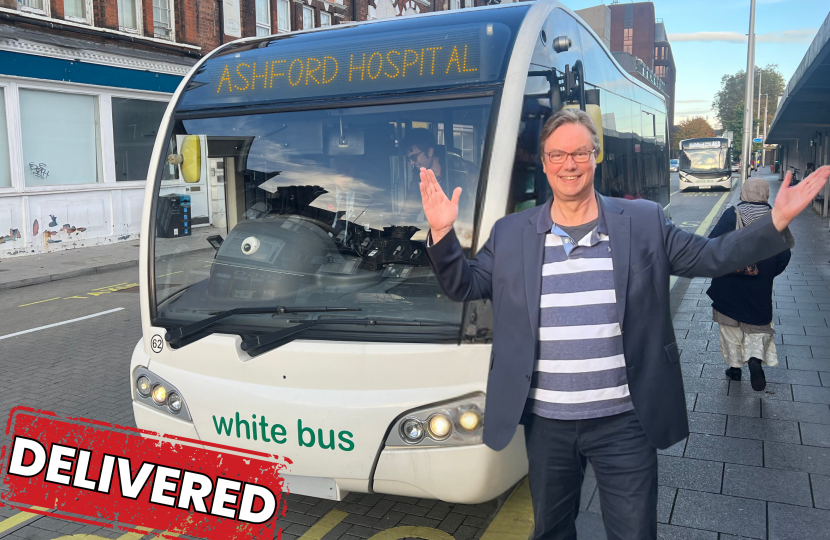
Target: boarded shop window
61 138
283 16
263 18
135 123
5 172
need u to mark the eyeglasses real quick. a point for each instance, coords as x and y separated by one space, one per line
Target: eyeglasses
580 156
414 157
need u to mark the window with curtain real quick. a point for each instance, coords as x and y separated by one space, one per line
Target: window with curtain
61 138
32 5
75 9
283 16
5 170
135 123
127 11
308 18
263 18
161 19
325 19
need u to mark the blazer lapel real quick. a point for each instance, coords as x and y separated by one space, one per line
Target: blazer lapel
533 249
619 233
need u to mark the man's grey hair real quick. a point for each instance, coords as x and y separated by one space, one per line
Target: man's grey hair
568 116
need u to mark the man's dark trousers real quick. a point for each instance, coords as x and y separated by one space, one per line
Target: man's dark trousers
624 462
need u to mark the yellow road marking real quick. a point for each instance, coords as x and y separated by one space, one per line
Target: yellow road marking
703 226
409 531
322 527
84 297
18 518
170 274
40 302
515 518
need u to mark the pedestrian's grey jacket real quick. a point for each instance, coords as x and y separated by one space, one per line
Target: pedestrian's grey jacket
646 249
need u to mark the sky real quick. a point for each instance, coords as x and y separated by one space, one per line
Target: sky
708 39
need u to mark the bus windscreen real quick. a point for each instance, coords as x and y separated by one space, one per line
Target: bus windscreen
339 62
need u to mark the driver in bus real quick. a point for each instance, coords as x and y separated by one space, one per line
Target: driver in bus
450 169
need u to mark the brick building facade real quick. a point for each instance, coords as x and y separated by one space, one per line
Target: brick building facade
83 88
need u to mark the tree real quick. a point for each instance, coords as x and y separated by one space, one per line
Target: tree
729 102
693 128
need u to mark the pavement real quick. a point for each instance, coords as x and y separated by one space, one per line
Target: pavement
756 465
34 269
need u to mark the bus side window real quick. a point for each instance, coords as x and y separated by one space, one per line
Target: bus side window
528 180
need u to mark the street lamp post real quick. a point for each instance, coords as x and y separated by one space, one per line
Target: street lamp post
764 140
746 151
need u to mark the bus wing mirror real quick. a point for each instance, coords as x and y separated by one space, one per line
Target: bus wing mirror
190 159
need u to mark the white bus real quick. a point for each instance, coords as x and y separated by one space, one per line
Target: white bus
313 327
705 163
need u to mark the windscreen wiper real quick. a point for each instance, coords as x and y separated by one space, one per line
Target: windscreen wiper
188 330
285 335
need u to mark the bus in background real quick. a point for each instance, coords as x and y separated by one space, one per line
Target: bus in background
313 327
705 163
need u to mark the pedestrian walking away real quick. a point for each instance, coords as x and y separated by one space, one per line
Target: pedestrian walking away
742 299
584 354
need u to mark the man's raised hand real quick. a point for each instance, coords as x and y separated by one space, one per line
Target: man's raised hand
440 211
790 201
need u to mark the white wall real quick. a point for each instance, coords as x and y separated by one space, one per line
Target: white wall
109 210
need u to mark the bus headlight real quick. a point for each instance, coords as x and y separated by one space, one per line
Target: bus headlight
452 423
143 386
159 394
154 392
412 430
469 420
439 427
174 403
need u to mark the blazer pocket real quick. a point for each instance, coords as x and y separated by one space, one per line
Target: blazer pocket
643 264
673 353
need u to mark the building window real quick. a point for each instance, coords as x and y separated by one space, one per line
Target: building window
325 19
5 171
657 53
135 124
162 24
283 16
128 15
263 18
34 6
628 40
76 10
660 71
455 4
61 138
308 18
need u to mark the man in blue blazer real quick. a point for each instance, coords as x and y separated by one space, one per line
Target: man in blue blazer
584 352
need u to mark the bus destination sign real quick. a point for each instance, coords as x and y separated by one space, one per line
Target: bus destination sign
703 144
292 69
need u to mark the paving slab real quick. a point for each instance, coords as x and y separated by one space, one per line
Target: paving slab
725 449
767 484
743 388
723 404
674 450
763 429
673 532
686 473
721 513
811 394
808 364
787 522
793 457
825 378
710 423
793 410
815 434
705 386
821 490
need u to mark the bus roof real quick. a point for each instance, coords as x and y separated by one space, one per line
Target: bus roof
389 56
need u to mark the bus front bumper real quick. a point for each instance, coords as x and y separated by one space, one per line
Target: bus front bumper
705 184
462 474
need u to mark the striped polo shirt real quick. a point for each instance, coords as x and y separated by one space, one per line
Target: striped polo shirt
580 372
